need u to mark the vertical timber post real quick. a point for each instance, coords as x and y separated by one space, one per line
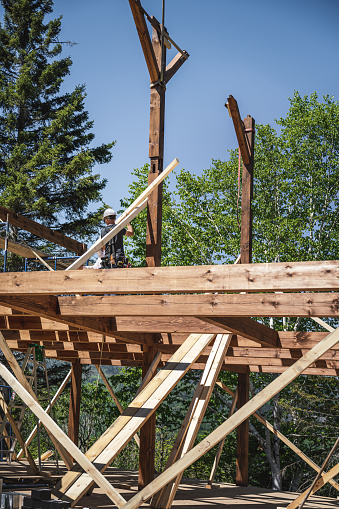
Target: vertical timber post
74 402
156 154
153 245
246 257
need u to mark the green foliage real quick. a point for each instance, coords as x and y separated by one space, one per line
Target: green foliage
46 152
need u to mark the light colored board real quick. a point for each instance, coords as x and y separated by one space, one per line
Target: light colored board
126 217
221 445
62 438
256 277
115 398
325 478
24 383
142 407
210 305
195 415
47 410
282 437
237 418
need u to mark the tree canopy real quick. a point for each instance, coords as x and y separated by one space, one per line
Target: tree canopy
46 151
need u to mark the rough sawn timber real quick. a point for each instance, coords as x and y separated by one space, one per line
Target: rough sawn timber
256 277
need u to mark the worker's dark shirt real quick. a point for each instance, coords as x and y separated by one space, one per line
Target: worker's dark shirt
118 240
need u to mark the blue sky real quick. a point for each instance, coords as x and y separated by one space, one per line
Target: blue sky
258 51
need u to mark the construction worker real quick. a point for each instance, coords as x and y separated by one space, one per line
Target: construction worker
112 254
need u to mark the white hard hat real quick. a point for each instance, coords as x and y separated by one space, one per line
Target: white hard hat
109 212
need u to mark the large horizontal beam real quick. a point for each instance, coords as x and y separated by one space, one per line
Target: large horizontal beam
256 277
206 305
41 231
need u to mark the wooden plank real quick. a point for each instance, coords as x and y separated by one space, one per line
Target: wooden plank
18 435
121 431
241 474
47 410
24 383
128 215
248 328
192 422
147 432
221 445
256 277
282 437
233 109
145 40
175 65
74 402
247 151
233 422
206 305
21 249
114 397
62 438
42 231
325 478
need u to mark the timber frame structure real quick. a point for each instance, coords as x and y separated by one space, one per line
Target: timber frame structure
169 320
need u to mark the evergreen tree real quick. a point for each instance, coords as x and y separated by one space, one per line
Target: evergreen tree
46 153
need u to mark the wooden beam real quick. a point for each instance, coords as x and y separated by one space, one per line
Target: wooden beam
114 397
208 305
175 65
42 231
74 484
233 110
233 422
248 328
221 445
194 416
255 277
325 478
74 402
147 432
145 40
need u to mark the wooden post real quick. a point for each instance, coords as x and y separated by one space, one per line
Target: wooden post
147 432
156 154
155 57
153 244
74 402
246 257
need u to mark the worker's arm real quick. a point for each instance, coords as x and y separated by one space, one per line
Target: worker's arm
129 230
